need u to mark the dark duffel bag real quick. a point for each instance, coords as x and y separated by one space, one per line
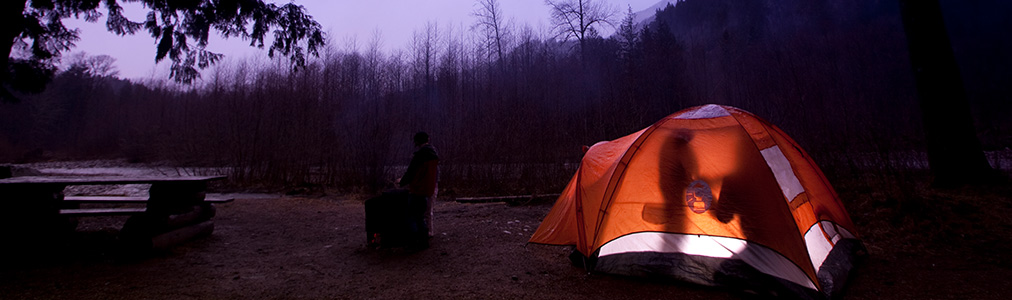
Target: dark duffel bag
394 219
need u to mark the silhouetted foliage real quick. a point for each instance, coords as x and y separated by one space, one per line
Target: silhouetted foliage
35 33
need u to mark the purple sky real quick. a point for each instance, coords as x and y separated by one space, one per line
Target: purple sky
344 20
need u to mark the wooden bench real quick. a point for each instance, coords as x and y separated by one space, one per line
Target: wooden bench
127 199
117 211
94 212
35 212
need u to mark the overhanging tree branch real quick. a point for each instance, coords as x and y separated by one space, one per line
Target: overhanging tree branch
181 29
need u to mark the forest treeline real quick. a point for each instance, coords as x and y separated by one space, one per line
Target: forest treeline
833 75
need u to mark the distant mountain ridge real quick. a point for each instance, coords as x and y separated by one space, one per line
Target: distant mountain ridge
644 17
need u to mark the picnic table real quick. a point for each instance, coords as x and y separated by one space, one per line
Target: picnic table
34 209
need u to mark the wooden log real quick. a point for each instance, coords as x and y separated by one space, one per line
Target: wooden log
508 199
180 235
198 214
149 224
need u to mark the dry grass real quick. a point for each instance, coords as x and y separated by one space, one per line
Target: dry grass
910 218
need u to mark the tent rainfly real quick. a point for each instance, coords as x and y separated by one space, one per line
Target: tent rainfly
712 195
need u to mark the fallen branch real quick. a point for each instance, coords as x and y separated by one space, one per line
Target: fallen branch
508 199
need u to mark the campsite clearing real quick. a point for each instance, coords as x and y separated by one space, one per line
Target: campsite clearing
293 247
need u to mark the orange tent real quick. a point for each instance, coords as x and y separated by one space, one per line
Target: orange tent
712 195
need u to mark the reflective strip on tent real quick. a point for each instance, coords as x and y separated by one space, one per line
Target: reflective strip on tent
763 259
782 170
821 238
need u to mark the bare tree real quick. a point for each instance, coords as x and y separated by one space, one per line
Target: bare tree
395 71
373 62
93 65
450 62
579 18
425 48
492 26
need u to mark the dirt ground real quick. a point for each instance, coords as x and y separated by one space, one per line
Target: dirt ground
314 248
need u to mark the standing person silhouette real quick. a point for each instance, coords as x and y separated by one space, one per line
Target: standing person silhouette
422 176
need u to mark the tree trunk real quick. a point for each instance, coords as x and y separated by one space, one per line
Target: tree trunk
954 152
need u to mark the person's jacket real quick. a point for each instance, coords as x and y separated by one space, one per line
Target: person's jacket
423 172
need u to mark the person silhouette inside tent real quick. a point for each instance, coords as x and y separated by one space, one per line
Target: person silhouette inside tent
422 177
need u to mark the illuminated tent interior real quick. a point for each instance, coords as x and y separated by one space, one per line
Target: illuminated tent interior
712 195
